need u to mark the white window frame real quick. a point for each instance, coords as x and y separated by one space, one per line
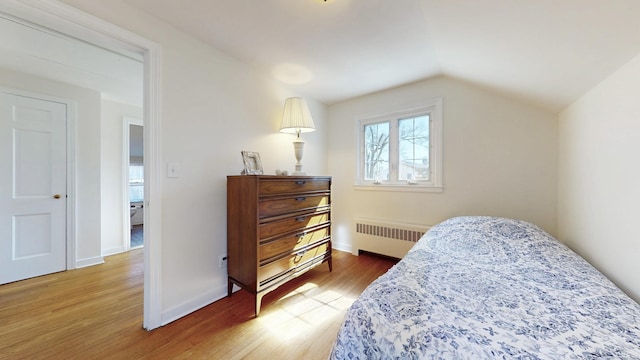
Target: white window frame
431 107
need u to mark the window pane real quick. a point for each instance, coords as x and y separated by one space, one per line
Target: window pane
136 183
136 192
376 151
136 174
414 148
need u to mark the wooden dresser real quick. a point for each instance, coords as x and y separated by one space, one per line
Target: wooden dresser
278 227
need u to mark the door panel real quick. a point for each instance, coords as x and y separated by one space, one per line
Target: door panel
30 235
32 176
32 187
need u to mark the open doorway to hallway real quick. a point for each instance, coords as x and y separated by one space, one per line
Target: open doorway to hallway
134 158
64 22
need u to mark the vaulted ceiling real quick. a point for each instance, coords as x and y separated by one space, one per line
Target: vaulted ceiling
548 52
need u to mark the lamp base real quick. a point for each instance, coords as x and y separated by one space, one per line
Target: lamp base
298 146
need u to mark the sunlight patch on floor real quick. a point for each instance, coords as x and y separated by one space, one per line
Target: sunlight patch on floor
297 313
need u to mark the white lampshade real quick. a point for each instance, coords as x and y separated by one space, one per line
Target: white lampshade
296 117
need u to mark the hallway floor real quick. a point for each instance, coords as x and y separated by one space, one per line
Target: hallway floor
137 237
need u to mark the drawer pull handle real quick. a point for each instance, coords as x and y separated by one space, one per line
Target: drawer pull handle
300 182
301 198
301 253
301 218
301 236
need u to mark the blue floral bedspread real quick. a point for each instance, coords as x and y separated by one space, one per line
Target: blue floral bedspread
486 288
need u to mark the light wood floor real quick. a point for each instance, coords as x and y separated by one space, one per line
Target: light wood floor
96 313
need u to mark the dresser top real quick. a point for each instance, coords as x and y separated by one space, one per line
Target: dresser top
279 177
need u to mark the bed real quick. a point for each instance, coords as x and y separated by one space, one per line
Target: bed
485 288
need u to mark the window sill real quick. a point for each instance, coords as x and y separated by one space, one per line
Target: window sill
399 187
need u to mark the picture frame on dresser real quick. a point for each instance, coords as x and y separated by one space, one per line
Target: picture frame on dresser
252 163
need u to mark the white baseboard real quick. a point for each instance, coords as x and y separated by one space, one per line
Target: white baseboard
113 251
89 262
341 247
194 304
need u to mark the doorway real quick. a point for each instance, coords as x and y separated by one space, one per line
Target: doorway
133 182
69 21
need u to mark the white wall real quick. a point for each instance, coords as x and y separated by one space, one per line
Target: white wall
111 174
87 161
599 195
212 108
500 159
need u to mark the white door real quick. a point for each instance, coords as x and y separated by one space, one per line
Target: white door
33 168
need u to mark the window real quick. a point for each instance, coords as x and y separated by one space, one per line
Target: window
136 182
402 149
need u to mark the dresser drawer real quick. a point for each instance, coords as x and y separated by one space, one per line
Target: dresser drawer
283 205
289 244
292 185
292 224
279 267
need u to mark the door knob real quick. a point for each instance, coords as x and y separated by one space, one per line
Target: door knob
56 196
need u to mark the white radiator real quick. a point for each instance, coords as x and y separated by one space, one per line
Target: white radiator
388 238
